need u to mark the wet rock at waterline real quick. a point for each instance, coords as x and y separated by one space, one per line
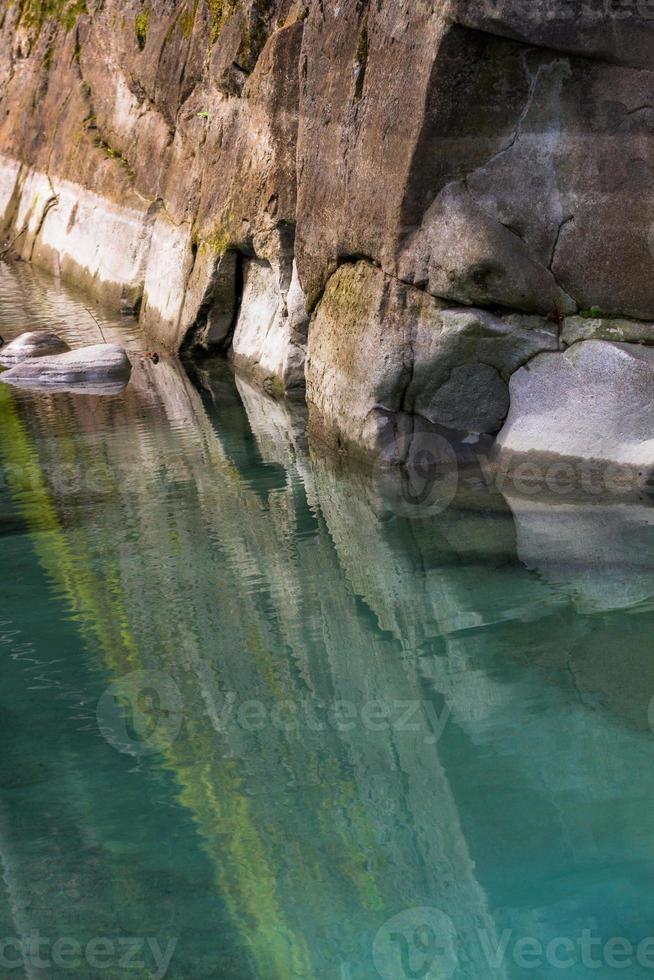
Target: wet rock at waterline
32 343
269 340
100 364
493 169
383 354
591 402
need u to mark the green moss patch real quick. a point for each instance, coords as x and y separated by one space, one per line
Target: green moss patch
217 241
220 11
187 19
34 13
141 22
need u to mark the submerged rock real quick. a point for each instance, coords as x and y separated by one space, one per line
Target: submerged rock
592 402
597 551
99 364
33 343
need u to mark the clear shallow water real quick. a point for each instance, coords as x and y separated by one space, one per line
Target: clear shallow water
249 711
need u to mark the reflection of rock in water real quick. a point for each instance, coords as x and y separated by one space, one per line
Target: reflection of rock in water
536 766
600 554
364 844
72 823
249 572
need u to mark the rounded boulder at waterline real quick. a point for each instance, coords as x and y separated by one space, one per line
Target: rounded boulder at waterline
96 365
592 402
32 343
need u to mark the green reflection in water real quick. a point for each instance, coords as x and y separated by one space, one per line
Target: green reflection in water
187 529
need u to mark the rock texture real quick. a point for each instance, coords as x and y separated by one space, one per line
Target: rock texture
33 343
100 363
382 353
597 328
214 163
592 402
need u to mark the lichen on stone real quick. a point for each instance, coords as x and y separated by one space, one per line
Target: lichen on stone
46 63
141 22
220 12
187 19
34 13
593 313
217 241
114 154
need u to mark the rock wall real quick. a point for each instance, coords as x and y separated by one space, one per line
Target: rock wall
483 170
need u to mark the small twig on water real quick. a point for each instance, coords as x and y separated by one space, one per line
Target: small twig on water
104 340
5 251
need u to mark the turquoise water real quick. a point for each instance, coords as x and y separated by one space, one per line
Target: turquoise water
256 722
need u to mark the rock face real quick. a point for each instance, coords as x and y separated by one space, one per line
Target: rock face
592 402
214 164
100 363
382 353
597 328
270 334
33 343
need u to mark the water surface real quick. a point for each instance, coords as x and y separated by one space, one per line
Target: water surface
253 714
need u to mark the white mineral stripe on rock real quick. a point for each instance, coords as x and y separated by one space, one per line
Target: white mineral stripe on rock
107 240
9 171
168 268
35 192
264 335
593 401
259 316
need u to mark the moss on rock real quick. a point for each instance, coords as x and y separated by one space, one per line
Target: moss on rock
141 22
34 13
220 11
